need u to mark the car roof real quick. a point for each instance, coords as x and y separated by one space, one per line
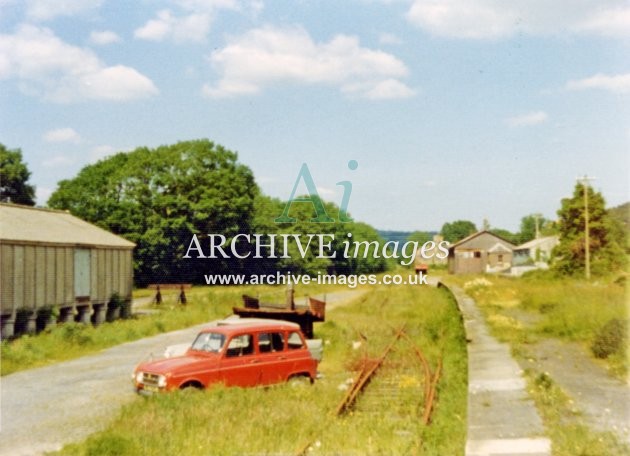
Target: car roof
232 325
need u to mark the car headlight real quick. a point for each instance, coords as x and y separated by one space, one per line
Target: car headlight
161 383
139 377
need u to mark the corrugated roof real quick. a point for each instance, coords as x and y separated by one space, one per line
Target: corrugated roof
29 224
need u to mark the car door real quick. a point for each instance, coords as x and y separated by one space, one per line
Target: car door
239 364
274 362
298 354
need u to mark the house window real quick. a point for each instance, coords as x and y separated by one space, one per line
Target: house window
500 258
477 254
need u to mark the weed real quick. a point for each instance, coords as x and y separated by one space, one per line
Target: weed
568 434
611 338
281 419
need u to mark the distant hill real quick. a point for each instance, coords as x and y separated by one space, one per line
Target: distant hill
400 236
622 213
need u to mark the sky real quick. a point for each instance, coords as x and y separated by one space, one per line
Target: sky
453 109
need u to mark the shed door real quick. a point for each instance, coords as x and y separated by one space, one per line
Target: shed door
81 273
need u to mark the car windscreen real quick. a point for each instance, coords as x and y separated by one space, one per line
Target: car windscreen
209 342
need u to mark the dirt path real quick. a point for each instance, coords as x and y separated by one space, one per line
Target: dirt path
44 408
603 400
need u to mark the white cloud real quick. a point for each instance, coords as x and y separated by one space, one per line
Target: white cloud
525 120
618 84
613 22
44 10
384 90
46 66
100 152
104 37
62 135
266 56
488 19
207 5
189 28
57 161
389 38
191 25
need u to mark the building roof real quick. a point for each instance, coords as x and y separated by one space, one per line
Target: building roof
538 242
474 235
498 247
25 224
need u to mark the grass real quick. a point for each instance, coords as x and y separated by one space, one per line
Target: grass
570 437
284 419
71 340
522 310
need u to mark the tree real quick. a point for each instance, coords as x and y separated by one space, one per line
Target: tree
528 227
458 230
506 234
14 177
605 237
268 209
159 198
421 237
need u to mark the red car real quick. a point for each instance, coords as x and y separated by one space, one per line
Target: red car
235 352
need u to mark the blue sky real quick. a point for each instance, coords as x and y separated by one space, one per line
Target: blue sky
454 109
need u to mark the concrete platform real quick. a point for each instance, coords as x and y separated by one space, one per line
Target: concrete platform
502 418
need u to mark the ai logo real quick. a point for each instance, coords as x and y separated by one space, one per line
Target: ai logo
315 200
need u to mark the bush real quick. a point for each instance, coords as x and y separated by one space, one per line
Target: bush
610 339
544 275
76 333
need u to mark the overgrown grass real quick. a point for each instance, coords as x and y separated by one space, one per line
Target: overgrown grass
71 340
569 435
283 419
522 310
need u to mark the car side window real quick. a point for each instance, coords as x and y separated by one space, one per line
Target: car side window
270 342
295 341
277 341
240 346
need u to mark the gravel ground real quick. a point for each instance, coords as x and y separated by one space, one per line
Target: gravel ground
44 408
603 400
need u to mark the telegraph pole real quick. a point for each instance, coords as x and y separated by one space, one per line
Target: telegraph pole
587 250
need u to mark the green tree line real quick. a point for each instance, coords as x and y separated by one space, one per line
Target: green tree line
159 198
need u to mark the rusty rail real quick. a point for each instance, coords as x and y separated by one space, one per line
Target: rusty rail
425 367
365 375
428 408
430 382
369 369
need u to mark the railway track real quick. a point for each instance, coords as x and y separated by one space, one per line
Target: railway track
405 392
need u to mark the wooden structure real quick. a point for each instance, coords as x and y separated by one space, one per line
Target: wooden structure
479 253
305 316
179 287
53 260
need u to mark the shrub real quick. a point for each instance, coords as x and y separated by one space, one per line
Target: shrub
610 339
76 333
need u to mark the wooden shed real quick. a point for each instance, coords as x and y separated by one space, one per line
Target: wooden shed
57 267
480 252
